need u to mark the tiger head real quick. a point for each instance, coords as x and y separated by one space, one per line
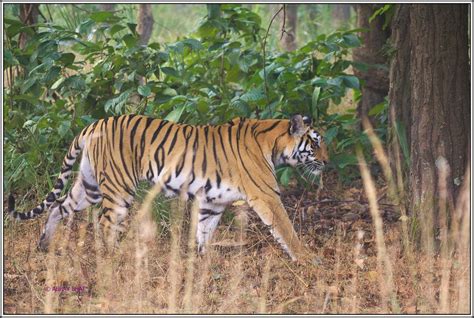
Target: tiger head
304 146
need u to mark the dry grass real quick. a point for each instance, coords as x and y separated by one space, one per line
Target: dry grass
366 267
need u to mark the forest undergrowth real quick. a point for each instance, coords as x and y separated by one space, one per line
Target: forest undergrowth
155 269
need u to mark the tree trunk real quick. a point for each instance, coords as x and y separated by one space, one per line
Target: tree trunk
429 94
341 14
288 41
376 77
145 23
28 16
107 6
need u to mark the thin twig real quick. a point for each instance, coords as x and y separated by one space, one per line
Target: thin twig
265 56
28 14
283 31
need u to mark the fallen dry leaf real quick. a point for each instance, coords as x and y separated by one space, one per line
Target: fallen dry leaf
372 276
359 262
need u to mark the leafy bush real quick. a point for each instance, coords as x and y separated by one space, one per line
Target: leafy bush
63 80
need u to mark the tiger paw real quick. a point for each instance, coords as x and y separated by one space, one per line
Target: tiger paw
308 259
43 244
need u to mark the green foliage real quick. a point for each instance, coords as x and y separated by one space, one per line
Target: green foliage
387 11
64 79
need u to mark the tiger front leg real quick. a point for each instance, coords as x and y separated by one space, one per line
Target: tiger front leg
112 225
274 215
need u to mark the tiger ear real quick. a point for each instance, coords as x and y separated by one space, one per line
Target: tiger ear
308 120
298 126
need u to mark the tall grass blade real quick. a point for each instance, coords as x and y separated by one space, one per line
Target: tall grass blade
383 261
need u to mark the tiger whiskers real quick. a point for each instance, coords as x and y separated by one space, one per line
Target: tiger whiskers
308 171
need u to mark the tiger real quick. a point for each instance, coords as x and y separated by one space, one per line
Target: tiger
223 163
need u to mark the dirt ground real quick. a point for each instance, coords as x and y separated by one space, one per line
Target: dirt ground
243 272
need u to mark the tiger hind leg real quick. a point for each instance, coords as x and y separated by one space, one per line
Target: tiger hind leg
209 216
83 194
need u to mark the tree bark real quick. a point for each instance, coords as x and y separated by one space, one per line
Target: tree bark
341 14
288 41
28 16
145 23
107 6
376 77
430 95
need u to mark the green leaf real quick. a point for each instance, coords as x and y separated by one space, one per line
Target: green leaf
176 113
285 175
345 117
67 58
169 92
28 98
130 40
336 81
116 28
330 134
213 11
318 81
315 97
58 83
343 144
14 27
144 90
162 57
207 30
101 16
380 11
193 43
241 107
253 95
216 45
169 71
29 123
28 84
377 109
245 62
351 40
351 81
132 27
85 26
64 127
9 59
60 103
116 104
202 106
12 22
154 46
343 160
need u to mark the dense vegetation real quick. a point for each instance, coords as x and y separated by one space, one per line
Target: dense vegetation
66 77
378 246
